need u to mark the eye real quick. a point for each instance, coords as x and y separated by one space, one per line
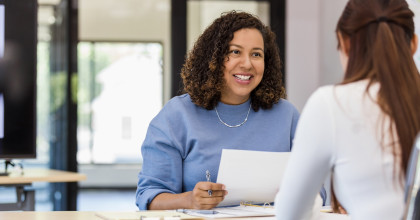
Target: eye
257 54
234 52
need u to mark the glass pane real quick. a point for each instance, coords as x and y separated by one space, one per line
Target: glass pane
201 13
43 102
120 91
128 21
44 135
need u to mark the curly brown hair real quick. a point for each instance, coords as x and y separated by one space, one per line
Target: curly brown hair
202 73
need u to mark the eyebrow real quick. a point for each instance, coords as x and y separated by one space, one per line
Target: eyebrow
255 48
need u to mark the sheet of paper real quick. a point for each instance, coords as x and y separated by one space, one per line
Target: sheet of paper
266 212
333 216
146 215
251 176
238 211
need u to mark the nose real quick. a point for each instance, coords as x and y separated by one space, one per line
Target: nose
246 62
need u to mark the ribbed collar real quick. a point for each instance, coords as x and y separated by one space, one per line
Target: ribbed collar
225 109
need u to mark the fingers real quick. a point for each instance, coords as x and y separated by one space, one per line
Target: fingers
215 193
210 186
207 202
202 198
210 189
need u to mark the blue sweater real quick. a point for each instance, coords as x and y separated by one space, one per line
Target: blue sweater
184 140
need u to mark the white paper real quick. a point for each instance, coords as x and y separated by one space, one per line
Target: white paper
145 215
237 211
1 116
251 176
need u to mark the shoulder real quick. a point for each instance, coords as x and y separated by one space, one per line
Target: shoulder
355 88
323 92
331 98
283 103
179 100
344 95
285 106
178 104
178 109
282 111
319 101
174 107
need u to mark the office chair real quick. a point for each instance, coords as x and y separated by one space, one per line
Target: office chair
412 192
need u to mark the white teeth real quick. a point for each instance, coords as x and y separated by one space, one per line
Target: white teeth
242 77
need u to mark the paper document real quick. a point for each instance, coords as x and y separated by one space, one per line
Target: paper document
237 211
333 216
145 215
251 176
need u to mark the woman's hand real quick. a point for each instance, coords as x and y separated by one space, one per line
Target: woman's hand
200 197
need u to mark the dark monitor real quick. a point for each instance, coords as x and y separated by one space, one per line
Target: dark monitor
18 23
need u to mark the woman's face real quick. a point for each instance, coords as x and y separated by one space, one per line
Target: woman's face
244 66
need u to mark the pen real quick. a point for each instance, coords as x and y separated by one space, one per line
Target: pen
199 211
208 180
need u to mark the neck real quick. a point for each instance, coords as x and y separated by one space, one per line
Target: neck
231 101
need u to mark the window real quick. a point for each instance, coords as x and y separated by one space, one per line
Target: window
119 92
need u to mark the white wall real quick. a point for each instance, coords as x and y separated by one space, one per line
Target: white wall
311 54
311 50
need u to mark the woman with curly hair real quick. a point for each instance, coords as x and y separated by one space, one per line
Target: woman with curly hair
369 121
233 100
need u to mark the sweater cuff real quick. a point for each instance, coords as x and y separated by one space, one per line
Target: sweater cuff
143 200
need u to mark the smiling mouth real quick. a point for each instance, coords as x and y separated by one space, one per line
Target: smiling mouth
242 77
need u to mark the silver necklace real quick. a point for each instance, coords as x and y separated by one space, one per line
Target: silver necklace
233 126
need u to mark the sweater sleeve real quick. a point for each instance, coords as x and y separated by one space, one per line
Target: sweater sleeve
310 160
295 120
162 165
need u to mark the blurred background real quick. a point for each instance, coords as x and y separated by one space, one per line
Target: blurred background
104 68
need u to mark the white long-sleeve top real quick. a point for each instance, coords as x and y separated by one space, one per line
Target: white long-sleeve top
339 133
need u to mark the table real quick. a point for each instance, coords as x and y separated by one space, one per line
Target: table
90 215
26 198
54 215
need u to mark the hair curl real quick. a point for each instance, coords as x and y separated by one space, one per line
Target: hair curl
202 73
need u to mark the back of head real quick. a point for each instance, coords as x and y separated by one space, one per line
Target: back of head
380 33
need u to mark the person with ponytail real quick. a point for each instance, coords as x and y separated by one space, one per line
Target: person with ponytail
362 130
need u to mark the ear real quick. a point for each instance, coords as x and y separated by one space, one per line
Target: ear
414 44
344 43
